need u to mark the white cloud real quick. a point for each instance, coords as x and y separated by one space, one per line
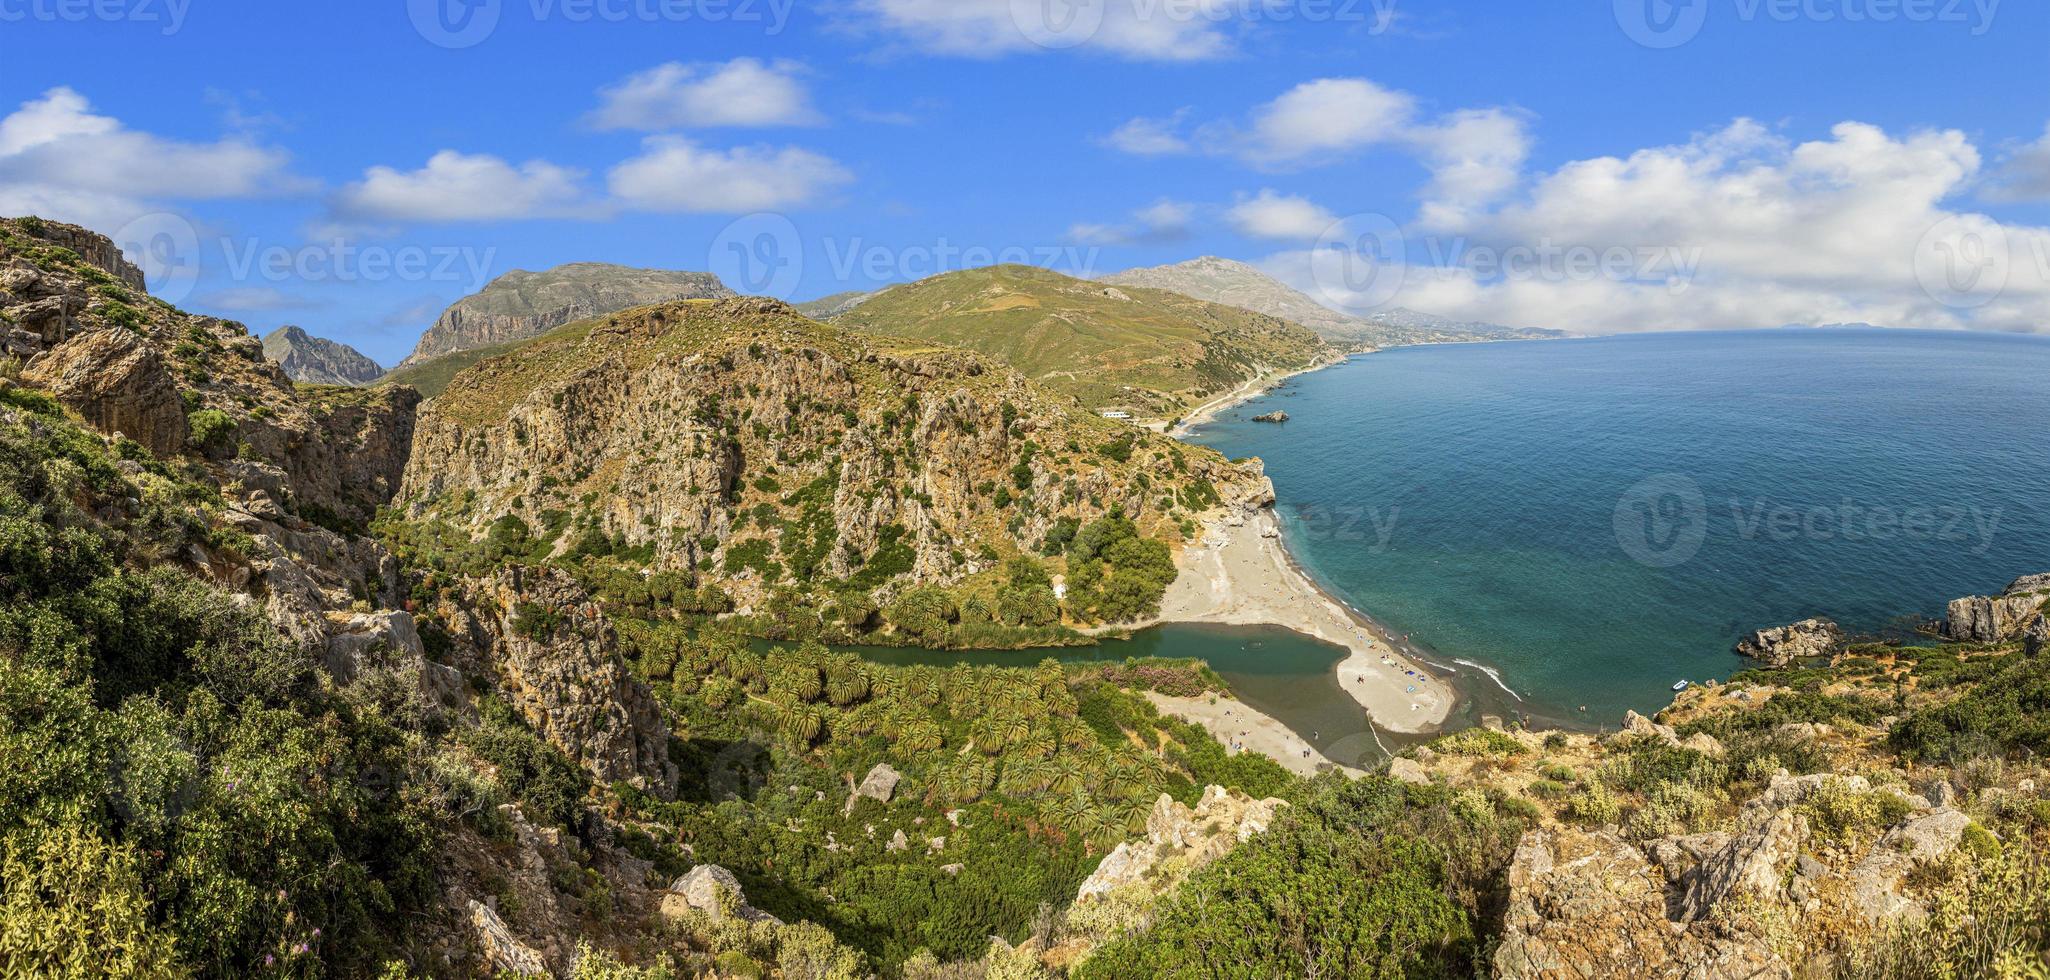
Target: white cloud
676 175
1280 216
1736 228
1161 222
1145 136
60 160
1318 120
2024 175
741 92
1141 30
1475 156
466 187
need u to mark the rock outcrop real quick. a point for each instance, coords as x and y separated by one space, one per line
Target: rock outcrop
520 304
713 890
680 427
555 657
1179 840
116 381
1779 646
1589 903
1997 619
316 360
1274 416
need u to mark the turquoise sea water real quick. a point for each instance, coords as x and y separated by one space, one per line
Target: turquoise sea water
1595 519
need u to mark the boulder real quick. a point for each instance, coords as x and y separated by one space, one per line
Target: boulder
1220 821
1779 646
713 890
502 952
117 381
880 784
1408 771
1997 619
1274 416
1752 866
1875 882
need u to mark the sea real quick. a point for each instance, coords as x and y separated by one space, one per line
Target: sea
1574 526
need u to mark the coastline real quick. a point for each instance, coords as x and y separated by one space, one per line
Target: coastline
1244 393
1240 573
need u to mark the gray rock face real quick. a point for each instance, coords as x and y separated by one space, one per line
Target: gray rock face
555 655
317 360
502 951
1590 905
521 304
2037 636
119 383
1779 646
1221 820
1997 619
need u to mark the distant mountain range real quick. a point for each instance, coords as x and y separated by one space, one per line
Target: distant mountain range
1238 284
521 305
1150 352
317 360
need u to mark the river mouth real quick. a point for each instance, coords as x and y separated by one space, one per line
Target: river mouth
1276 671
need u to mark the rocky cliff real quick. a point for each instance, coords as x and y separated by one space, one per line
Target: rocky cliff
740 439
520 304
177 383
316 360
1993 619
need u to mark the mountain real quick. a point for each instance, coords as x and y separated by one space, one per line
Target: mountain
831 306
769 452
1148 352
1238 284
521 304
317 360
516 724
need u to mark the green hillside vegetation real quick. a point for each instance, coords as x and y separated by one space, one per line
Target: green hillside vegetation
432 376
784 533
1147 351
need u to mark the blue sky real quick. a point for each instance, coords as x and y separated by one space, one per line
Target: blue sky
1764 162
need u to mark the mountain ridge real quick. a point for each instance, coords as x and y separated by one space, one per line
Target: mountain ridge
522 304
309 359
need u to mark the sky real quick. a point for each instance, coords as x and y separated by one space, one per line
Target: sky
1596 165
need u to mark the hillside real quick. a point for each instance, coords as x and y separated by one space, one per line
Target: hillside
1148 352
316 360
746 449
520 305
519 730
1238 284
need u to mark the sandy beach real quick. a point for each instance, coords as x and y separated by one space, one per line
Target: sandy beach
1242 394
1238 572
1243 729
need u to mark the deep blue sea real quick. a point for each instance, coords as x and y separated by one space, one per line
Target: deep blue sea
1596 519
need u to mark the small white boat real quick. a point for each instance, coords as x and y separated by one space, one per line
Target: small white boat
1681 685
